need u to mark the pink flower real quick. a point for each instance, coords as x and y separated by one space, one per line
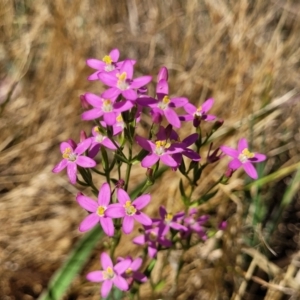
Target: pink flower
164 105
153 239
110 275
98 211
107 108
194 224
168 220
160 150
122 83
73 157
242 157
98 139
109 63
129 210
200 113
132 272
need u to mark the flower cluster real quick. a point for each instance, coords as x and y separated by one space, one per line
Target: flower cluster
112 143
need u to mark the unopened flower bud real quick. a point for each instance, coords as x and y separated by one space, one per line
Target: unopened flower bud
217 125
156 117
149 173
142 90
196 122
84 103
120 184
213 157
83 136
163 74
222 225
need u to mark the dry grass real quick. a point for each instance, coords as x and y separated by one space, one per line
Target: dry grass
244 53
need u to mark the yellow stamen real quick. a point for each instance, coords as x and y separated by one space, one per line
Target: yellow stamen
130 209
100 211
128 271
67 152
122 77
107 59
166 100
247 153
109 273
168 217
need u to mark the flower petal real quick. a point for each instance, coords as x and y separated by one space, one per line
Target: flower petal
230 151
168 160
141 201
139 240
207 105
95 63
85 162
106 288
87 203
258 157
94 100
179 101
89 222
150 160
122 196
114 54
110 118
107 225
106 261
136 264
109 79
234 164
127 225
172 117
120 283
95 276
243 144
92 114
250 170
130 94
122 266
143 219
72 171
104 195
83 146
60 166
144 143
115 211
64 145
190 108
127 67
162 87
111 93
140 81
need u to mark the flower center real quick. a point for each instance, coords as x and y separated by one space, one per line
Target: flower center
109 63
120 121
199 112
99 137
100 211
129 272
107 105
245 155
163 104
129 208
108 274
122 81
69 154
168 218
160 147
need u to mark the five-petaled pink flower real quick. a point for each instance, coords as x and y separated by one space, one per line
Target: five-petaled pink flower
242 157
121 82
132 272
110 275
98 211
109 63
107 108
198 114
164 105
73 157
153 239
168 220
160 150
129 210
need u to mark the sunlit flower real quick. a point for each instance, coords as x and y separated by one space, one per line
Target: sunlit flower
72 156
98 211
110 275
129 210
243 157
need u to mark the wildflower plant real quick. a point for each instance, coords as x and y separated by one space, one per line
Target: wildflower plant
110 149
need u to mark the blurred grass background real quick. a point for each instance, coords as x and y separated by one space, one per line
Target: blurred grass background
245 54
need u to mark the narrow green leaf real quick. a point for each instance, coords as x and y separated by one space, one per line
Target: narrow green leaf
79 256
